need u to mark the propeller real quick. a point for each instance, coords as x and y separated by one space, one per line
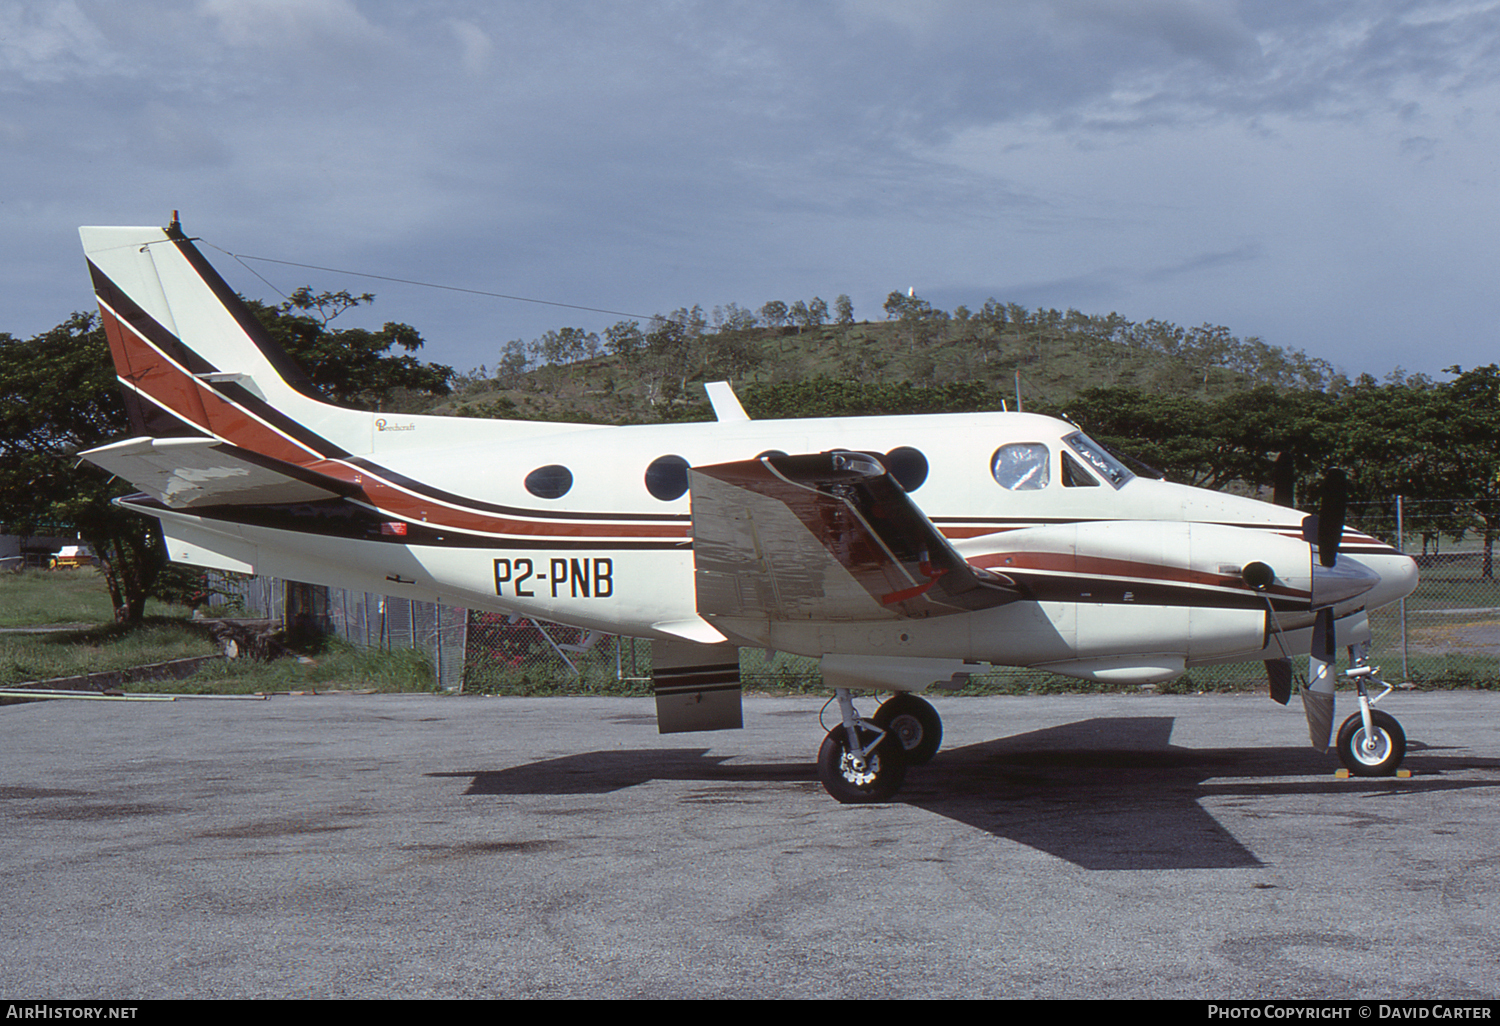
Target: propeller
1329 584
1325 530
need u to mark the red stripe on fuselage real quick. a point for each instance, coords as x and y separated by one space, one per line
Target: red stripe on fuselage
389 498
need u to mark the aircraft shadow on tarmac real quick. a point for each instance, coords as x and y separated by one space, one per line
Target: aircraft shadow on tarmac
1106 793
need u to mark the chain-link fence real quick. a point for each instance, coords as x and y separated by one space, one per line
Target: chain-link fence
379 621
262 598
1446 634
520 655
360 618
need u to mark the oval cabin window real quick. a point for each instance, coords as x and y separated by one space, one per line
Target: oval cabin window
667 478
907 465
550 482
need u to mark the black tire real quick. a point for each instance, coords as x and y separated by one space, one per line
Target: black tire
916 725
1386 755
878 781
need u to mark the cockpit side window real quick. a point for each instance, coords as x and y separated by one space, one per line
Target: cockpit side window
1021 466
1098 459
1074 476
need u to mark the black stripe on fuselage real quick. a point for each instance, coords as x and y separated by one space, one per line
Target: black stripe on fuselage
239 395
1108 591
353 521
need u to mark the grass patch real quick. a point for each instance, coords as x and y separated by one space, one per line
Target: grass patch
30 657
547 681
338 666
41 598
35 598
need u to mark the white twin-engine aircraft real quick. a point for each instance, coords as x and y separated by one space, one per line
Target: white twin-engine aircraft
901 552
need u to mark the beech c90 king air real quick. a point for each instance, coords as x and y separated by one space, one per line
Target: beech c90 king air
902 552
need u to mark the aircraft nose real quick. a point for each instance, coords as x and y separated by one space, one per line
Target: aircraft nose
1347 579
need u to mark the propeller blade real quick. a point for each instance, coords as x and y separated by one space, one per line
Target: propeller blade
1317 696
1279 673
1330 526
1325 529
1324 643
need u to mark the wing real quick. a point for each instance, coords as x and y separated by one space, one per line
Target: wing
188 472
828 537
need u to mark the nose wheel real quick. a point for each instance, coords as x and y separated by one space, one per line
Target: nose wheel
1373 752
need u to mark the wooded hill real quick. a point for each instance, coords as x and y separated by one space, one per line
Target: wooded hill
790 361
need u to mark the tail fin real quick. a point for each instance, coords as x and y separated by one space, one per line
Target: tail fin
194 361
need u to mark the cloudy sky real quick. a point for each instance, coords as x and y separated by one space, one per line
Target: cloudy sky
1319 173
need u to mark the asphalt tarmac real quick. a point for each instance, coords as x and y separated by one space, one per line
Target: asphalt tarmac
443 846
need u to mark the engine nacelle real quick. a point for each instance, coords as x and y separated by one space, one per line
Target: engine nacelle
1150 598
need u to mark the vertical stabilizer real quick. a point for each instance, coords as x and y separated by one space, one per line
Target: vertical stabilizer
193 360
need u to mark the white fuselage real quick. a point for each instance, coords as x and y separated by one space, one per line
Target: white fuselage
608 555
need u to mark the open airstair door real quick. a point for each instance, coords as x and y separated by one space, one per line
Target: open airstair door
827 537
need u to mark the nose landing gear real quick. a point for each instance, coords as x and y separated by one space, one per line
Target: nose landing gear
1370 743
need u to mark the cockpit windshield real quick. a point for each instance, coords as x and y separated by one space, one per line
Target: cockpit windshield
1098 459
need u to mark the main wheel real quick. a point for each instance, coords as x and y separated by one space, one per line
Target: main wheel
852 780
1375 756
916 725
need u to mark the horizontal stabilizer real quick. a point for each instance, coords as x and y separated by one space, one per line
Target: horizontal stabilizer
824 537
184 473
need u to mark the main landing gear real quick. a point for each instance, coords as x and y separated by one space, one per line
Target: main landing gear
866 760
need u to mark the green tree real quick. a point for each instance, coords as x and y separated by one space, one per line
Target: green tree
351 366
625 340
59 397
843 308
774 313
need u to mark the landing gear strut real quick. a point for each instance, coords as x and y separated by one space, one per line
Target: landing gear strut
860 761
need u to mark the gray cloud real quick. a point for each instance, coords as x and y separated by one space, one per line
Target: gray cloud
1275 166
